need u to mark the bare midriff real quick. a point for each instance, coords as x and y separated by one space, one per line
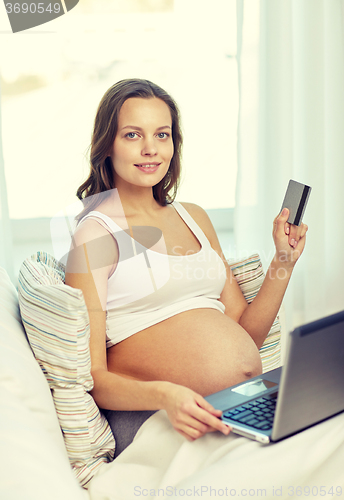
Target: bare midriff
202 349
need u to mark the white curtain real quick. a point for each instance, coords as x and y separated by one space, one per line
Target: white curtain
6 260
291 126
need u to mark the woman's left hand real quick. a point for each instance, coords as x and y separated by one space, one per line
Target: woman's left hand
289 239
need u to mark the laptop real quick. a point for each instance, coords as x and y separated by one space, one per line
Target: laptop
308 389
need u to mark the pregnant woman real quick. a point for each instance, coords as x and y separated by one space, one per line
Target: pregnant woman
168 321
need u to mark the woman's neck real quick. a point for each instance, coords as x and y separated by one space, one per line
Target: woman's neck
137 200
133 201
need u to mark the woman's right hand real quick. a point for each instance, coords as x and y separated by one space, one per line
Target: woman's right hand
190 414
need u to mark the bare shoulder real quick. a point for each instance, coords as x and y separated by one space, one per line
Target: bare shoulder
93 242
195 210
89 230
202 219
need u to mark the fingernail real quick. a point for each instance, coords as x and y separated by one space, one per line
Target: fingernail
287 231
292 242
284 211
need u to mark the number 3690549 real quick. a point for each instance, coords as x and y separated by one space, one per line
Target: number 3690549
32 8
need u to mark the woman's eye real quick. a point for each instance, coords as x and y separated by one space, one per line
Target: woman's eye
131 135
163 135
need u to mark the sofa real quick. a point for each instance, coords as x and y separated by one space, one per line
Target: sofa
37 460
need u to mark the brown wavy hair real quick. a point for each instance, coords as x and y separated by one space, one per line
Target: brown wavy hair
101 177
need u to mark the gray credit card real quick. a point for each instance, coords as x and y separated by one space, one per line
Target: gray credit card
295 200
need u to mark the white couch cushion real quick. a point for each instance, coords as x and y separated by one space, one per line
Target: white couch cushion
19 371
33 463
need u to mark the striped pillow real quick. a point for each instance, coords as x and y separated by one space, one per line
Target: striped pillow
250 276
56 321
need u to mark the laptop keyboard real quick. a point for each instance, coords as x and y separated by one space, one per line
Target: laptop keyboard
258 414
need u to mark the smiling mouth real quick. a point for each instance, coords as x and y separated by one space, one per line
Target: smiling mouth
147 165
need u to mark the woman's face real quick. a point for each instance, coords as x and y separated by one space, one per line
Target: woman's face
143 147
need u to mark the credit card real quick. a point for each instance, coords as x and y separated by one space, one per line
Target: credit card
295 200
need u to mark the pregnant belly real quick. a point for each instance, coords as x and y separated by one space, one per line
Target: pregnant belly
202 349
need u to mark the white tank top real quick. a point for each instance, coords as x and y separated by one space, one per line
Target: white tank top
148 287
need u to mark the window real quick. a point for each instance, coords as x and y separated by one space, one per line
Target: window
53 77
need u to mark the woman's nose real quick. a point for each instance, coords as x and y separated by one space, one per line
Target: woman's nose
149 148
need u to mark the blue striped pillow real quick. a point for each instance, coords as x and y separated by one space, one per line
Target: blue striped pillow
56 321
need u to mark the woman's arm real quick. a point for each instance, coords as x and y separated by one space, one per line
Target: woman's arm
258 317
289 242
89 265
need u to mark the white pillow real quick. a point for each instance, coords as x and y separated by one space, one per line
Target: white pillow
56 321
32 467
33 462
